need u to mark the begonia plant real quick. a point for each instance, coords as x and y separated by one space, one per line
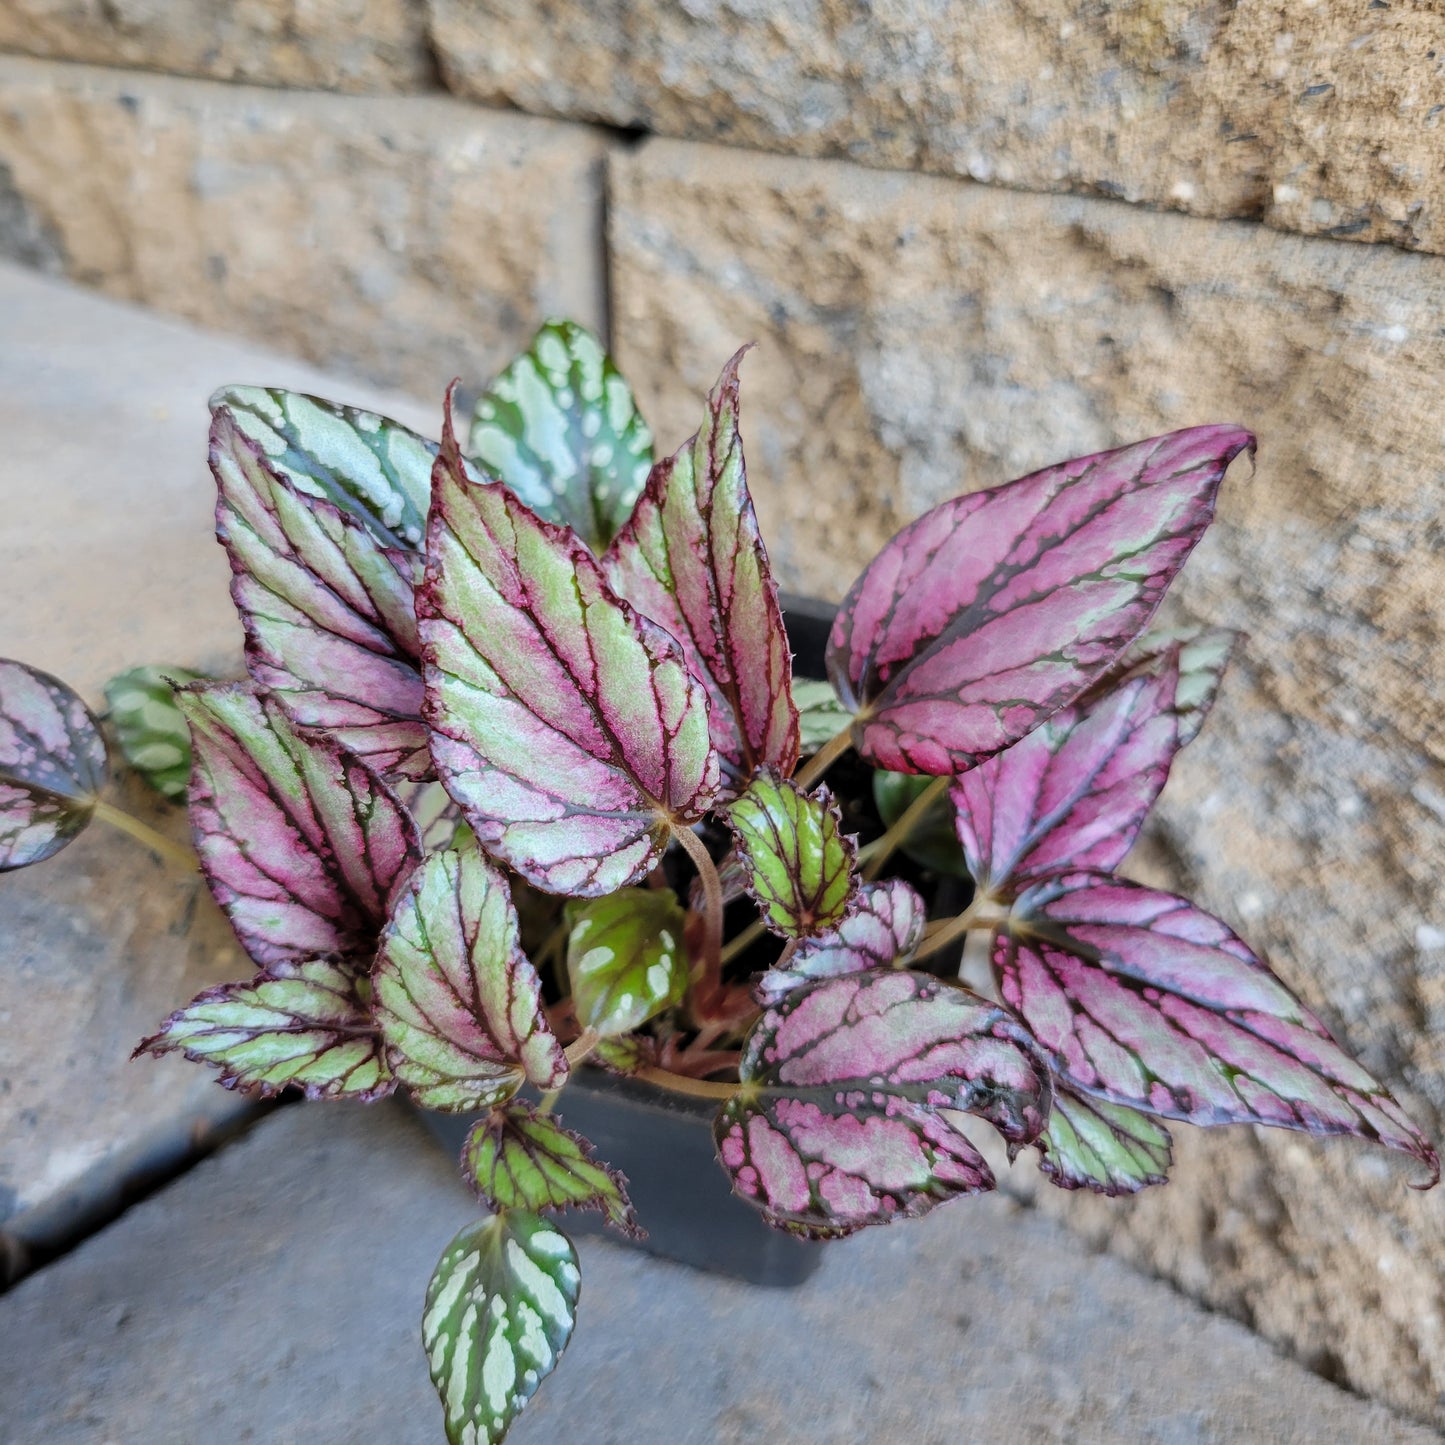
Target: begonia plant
520 732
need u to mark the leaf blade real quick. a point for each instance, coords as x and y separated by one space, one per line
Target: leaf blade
149 726
520 1158
1146 1001
995 609
560 428
1106 1148
500 1308
797 861
692 559
300 1025
458 1002
625 959
52 765
566 726
301 841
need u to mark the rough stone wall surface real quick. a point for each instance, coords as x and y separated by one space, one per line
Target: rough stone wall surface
921 337
406 241
355 45
1326 118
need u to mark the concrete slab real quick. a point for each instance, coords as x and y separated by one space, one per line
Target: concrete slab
274 1294
107 559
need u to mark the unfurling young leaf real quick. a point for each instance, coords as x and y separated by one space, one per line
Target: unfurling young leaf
798 860
1092 1144
499 1312
52 765
1146 1001
458 1002
820 715
518 1158
149 727
625 959
881 931
1075 792
302 843
300 1025
328 611
837 1123
369 466
933 839
560 428
692 560
995 609
566 725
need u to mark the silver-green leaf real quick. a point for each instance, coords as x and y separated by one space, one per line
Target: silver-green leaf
499 1312
625 958
152 734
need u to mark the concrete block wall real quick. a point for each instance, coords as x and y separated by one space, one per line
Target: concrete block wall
970 241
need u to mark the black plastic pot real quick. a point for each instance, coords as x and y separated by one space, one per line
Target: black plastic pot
663 1141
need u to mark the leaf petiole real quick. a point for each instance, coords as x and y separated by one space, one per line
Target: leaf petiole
825 757
983 912
145 834
696 849
882 849
681 1084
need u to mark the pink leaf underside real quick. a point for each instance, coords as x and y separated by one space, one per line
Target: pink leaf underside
327 609
459 1003
1075 792
883 929
566 725
838 1123
301 841
52 764
1145 1000
995 609
692 560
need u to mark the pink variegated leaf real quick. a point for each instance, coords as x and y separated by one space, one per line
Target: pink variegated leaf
326 608
52 765
1075 792
838 1122
458 1002
1145 1000
566 725
882 931
302 842
691 559
305 1025
996 609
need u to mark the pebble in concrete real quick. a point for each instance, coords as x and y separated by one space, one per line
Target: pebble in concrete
274 1293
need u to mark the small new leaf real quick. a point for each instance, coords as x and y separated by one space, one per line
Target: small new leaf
300 1025
518 1158
996 609
798 860
149 727
881 931
625 959
560 428
691 558
302 843
369 466
458 1002
565 724
1146 1001
52 765
821 717
499 1312
1110 1149
838 1120
328 610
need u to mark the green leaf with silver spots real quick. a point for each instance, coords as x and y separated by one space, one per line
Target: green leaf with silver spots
152 734
798 861
625 958
368 465
519 1158
560 428
499 1312
1109 1148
